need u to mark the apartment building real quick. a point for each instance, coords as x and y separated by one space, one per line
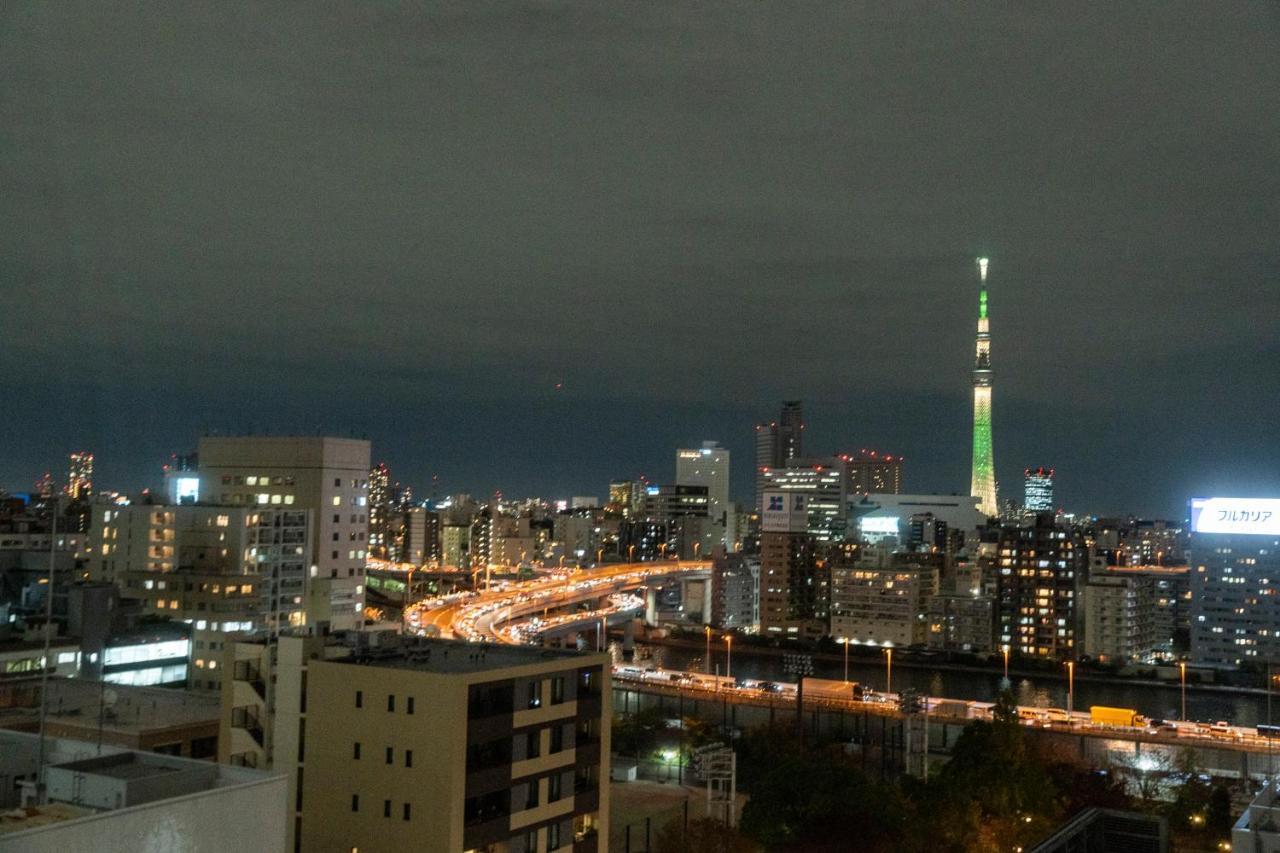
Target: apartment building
329 477
881 598
221 569
426 744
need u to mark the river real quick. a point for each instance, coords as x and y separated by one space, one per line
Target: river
1155 701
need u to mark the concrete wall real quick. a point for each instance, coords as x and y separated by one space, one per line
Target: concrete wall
239 818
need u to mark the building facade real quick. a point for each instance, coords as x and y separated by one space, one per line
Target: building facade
1235 565
825 484
1037 489
794 578
879 598
429 745
778 442
708 466
1041 568
330 477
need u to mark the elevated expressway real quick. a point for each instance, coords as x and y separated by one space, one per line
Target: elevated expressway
484 615
504 613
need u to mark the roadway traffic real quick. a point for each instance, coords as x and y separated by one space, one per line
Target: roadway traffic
518 612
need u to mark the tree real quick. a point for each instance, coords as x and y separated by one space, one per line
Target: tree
1218 816
704 835
637 734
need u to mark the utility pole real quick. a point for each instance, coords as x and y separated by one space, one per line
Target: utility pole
799 666
44 663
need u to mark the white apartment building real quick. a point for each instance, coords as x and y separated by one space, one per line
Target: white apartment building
882 598
223 570
330 477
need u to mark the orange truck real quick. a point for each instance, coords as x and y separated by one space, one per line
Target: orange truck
1100 715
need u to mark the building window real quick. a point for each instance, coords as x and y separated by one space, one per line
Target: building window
355 802
359 698
391 702
409 707
532 744
390 755
557 738
553 836
408 758
535 694
553 788
557 690
531 795
406 811
386 808
355 751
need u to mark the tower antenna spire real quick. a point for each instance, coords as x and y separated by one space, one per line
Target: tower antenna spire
983 482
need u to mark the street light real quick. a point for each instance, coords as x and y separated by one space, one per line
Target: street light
1006 662
599 556
706 661
888 670
631 553
696 547
1071 687
1182 670
846 659
728 656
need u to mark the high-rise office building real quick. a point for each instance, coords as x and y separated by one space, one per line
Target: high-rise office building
391 744
825 483
1038 489
794 581
1235 561
80 475
1041 569
983 482
709 466
874 473
379 510
45 486
330 477
778 442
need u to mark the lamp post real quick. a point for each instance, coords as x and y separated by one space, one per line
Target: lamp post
846 660
1071 687
888 670
1182 672
706 660
1006 662
599 556
631 553
728 656
697 546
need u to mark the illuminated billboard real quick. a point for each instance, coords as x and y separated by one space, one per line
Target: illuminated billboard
784 512
879 524
1255 516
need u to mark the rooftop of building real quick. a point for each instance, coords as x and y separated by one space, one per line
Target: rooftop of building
78 703
84 759
452 657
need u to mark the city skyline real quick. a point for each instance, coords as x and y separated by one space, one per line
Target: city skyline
435 303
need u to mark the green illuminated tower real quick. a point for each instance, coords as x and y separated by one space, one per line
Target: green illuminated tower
983 484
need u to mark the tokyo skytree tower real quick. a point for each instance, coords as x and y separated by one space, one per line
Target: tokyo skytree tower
983 484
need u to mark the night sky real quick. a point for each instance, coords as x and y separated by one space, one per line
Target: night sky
410 221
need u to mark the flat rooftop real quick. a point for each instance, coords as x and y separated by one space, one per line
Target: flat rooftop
32 817
453 657
125 765
122 708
